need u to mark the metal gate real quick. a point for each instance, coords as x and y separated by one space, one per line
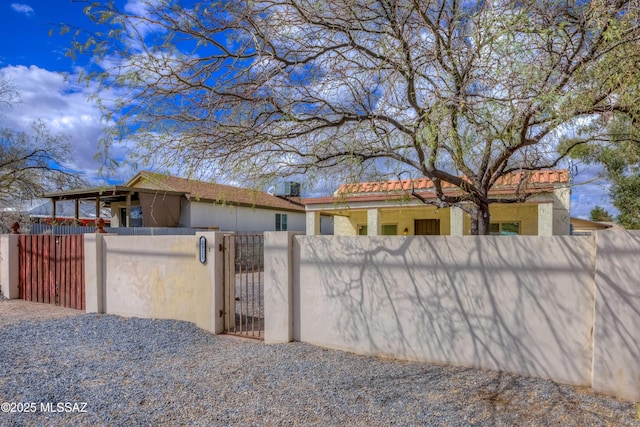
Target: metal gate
51 270
243 269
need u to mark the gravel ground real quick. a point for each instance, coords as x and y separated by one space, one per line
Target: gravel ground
160 372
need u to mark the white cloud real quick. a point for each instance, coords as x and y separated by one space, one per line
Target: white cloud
64 106
589 189
22 8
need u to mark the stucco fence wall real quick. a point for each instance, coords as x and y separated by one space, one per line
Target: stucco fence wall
540 306
155 277
560 307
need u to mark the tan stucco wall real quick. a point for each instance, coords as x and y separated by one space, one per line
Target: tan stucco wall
153 277
523 304
616 335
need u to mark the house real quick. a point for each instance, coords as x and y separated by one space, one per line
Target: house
388 208
584 227
155 200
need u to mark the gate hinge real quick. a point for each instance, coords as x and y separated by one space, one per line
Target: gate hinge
221 247
222 313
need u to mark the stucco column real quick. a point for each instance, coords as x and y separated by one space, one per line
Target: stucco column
456 217
9 265
561 207
278 286
94 280
545 219
373 222
313 223
214 261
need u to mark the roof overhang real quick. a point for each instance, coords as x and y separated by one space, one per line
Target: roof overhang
107 194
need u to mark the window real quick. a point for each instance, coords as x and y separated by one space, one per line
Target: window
135 215
281 222
363 230
504 228
389 229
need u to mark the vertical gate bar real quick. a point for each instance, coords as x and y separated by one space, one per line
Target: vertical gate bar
260 303
253 285
246 260
239 249
230 290
225 297
227 283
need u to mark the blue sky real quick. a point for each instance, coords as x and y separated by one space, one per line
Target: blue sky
36 64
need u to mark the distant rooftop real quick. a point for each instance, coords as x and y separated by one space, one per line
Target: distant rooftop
220 193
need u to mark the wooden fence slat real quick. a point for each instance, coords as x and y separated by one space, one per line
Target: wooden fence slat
73 277
69 275
39 268
80 272
58 270
27 282
52 269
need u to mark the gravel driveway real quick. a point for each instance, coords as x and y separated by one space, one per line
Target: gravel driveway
109 370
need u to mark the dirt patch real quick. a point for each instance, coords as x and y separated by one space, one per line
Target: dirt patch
17 310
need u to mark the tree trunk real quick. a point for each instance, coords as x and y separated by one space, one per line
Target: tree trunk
480 219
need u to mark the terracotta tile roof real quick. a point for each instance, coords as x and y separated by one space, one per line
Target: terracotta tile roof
207 191
533 182
524 179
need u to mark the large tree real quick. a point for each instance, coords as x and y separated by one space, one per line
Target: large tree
32 161
460 92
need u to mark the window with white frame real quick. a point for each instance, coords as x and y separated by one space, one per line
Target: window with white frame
281 222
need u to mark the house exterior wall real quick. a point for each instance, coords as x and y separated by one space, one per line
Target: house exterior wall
241 219
227 218
524 213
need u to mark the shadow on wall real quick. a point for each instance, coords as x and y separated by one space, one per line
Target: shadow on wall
518 304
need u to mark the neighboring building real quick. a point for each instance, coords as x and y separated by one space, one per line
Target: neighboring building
388 208
155 200
584 227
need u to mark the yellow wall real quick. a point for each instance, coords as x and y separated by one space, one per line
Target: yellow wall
525 214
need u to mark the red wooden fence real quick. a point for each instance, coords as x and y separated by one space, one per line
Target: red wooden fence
52 269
